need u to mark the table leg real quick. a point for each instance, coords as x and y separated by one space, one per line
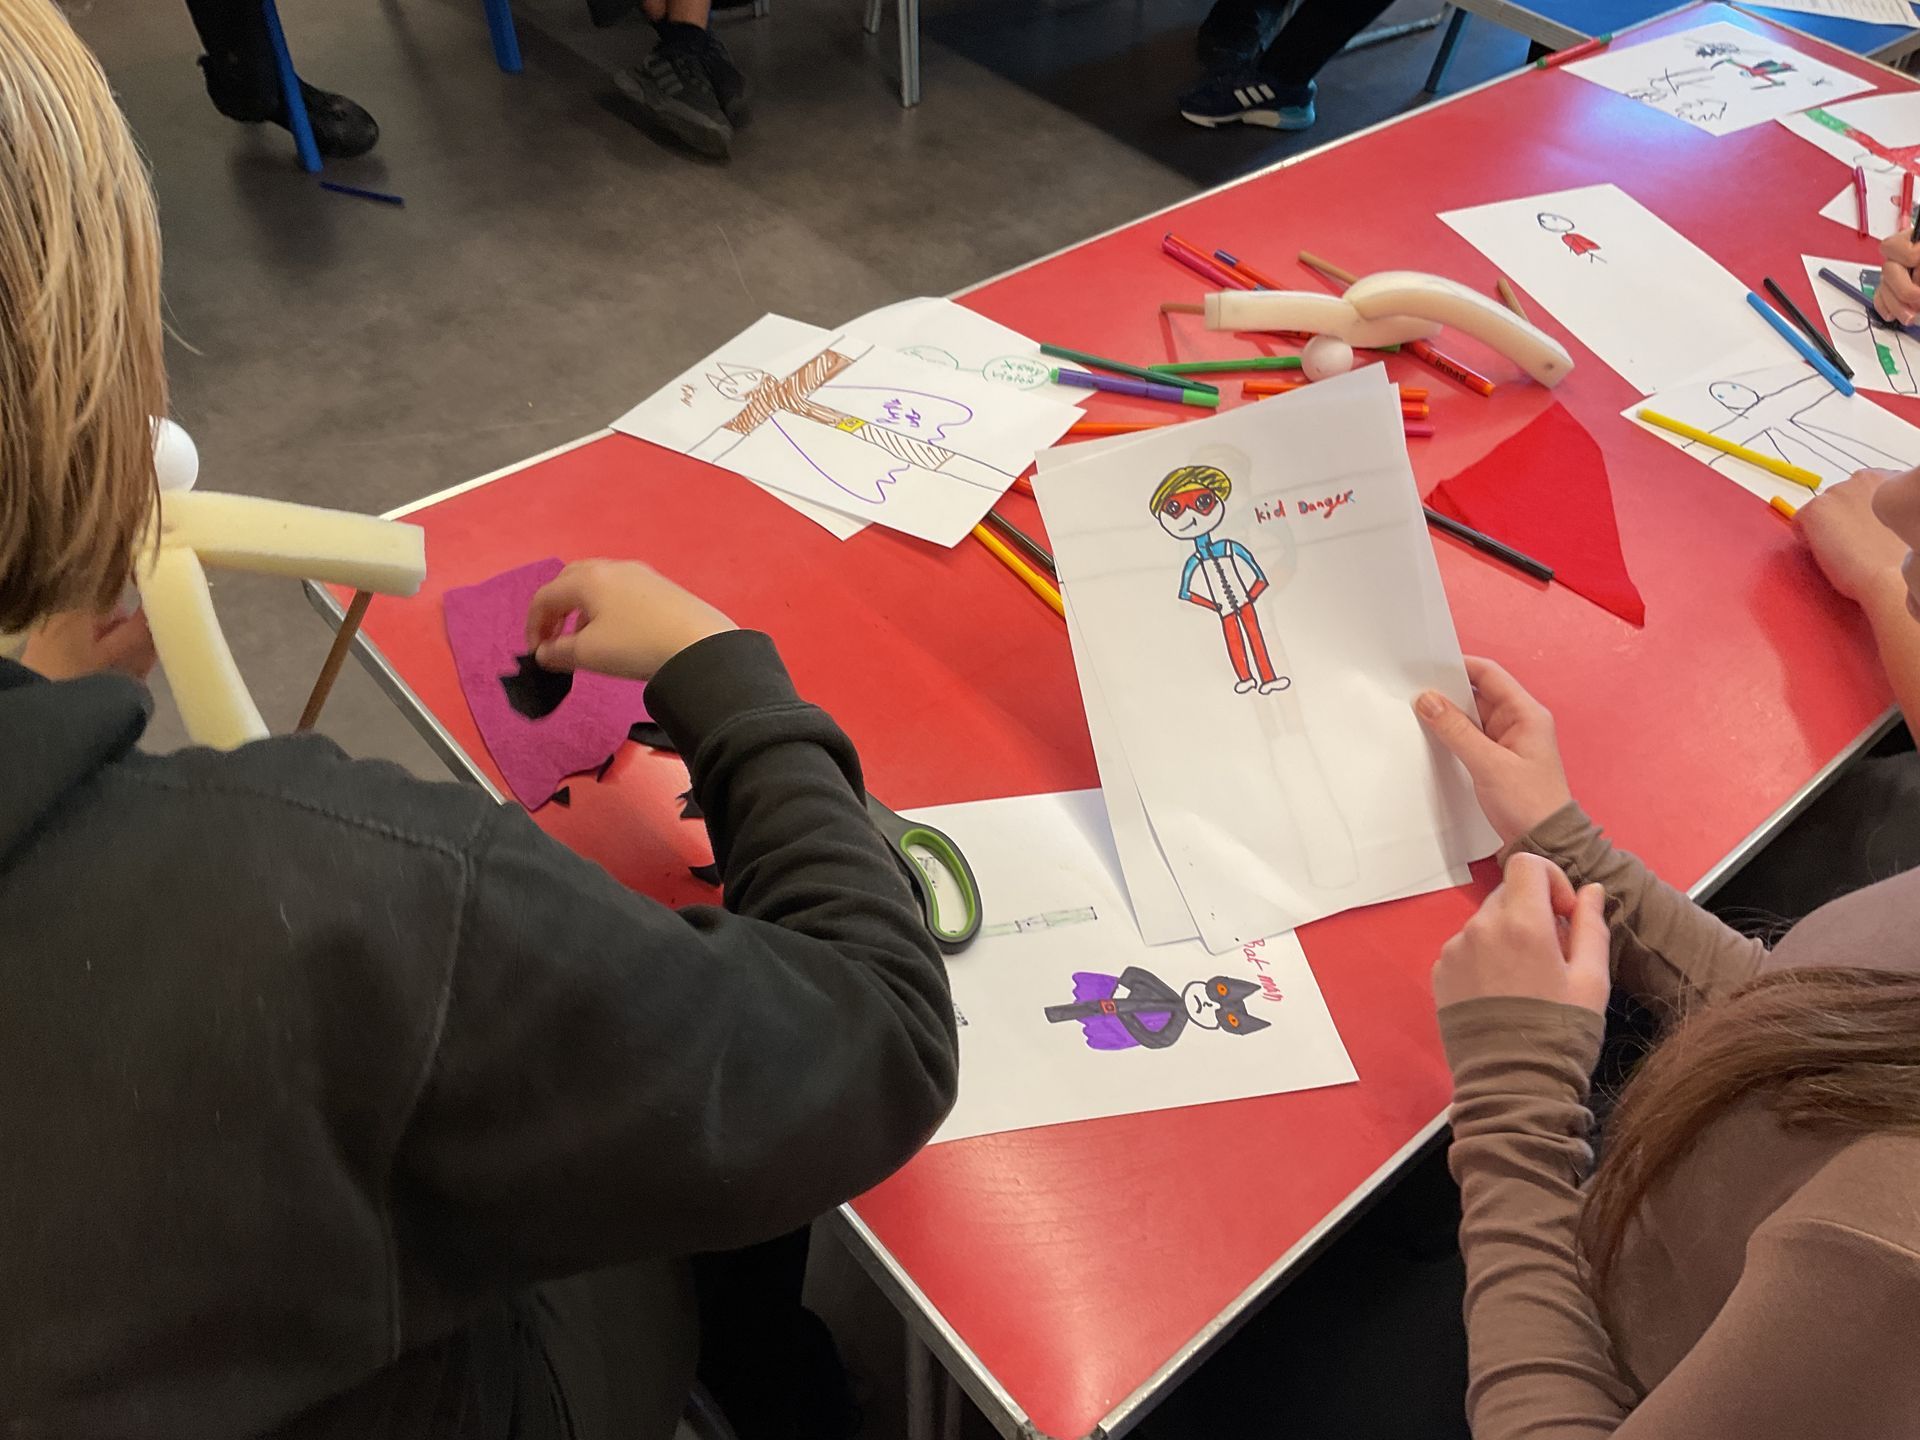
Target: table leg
920 1401
875 9
336 657
953 1405
909 53
1445 54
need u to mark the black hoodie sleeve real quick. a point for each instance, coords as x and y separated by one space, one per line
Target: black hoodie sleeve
616 1079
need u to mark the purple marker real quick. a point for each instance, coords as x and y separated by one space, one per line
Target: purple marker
1145 389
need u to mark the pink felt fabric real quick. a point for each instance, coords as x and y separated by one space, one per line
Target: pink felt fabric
1544 491
486 629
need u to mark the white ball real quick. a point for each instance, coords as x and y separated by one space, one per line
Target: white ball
1324 356
176 459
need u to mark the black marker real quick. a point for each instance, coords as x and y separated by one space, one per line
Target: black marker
1807 328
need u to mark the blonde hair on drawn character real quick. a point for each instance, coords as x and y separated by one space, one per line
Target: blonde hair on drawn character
81 360
1191 477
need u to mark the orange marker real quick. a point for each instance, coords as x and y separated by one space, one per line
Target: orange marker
1413 409
1116 427
1785 507
1253 388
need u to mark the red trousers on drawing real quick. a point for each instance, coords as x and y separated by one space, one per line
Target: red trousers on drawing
1242 629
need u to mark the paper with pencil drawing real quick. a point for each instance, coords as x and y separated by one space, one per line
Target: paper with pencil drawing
685 408
1883 358
1880 134
1065 1015
1630 287
956 338
1718 78
1789 412
1258 600
859 429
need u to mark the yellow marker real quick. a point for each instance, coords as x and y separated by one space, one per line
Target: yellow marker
1726 447
1786 509
1035 581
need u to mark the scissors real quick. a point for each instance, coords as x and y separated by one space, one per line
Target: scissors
906 836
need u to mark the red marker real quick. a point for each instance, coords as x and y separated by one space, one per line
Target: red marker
1573 52
1418 429
1204 266
1860 200
1906 199
1449 367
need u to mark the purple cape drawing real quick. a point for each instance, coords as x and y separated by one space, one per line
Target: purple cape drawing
486 629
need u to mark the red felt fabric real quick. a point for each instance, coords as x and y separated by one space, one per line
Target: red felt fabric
1544 491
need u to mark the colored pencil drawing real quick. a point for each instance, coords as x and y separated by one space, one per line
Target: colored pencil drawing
1576 243
1220 575
899 432
1136 1009
1718 78
1890 346
1020 372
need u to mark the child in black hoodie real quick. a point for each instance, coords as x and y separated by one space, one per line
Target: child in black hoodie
328 1097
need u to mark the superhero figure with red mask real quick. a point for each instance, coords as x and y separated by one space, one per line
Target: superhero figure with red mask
1220 575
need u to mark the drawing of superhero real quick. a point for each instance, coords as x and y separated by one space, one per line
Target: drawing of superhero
1220 575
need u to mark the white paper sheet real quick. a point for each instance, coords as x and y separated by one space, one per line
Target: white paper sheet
858 429
1636 292
1790 412
1718 78
1883 359
1890 121
1056 933
1867 12
1305 787
956 338
688 406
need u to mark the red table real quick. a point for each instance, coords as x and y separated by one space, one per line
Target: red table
1021 1257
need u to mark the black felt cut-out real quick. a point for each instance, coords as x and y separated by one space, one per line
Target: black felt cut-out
708 874
605 766
690 807
535 691
645 732
563 797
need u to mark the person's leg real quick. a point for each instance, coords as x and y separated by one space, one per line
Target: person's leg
688 85
767 1361
617 1349
1236 31
1277 90
1236 650
1250 622
1318 31
243 84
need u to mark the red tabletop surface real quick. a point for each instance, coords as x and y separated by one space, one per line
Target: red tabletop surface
1063 1258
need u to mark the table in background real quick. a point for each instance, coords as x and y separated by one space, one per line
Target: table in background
1056 1270
1556 24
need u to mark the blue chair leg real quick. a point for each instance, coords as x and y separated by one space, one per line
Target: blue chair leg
506 43
1455 24
290 90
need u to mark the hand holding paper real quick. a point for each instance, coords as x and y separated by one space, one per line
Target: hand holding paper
1511 754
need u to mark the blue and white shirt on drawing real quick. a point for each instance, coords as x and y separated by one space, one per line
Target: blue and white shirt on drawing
1227 574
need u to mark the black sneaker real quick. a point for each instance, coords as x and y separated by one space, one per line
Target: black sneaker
1245 96
341 129
729 85
609 12
673 88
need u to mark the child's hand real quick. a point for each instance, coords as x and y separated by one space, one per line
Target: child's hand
76 643
632 619
1534 937
1514 762
1857 553
1898 296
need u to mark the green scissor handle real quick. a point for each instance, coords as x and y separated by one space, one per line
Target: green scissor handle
905 836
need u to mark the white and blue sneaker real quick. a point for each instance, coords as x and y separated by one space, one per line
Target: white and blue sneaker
1248 97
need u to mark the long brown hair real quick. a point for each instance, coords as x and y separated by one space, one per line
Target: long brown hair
81 362
1837 1049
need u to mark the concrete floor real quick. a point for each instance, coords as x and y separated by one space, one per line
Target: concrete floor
554 263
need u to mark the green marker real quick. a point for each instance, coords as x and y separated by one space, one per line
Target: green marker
1223 367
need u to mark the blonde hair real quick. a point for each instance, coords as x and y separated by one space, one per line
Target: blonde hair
82 368
1191 477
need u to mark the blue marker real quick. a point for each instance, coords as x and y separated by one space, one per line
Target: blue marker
1805 350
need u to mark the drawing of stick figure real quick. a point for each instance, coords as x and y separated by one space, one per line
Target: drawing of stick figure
1576 242
1220 575
1789 422
1889 347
